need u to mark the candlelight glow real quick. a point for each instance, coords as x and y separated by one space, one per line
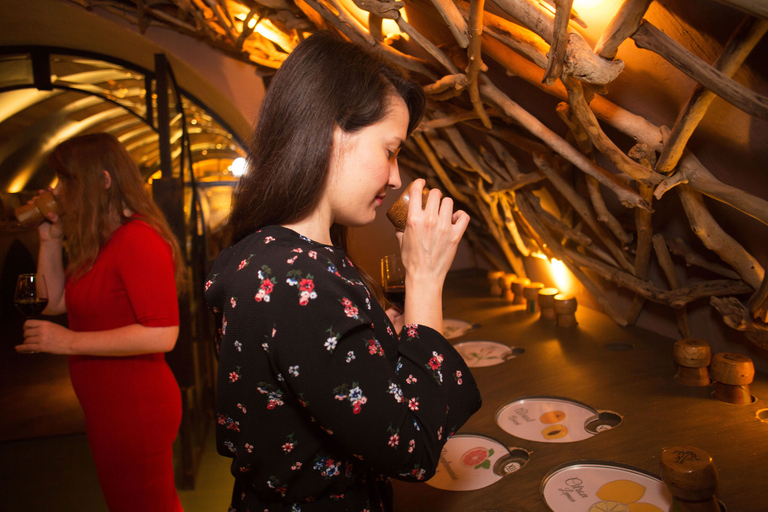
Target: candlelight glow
562 276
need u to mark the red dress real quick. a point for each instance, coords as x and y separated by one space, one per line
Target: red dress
132 404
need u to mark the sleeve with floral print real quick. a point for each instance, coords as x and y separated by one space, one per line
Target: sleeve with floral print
392 404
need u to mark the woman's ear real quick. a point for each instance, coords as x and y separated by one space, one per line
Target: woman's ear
107 180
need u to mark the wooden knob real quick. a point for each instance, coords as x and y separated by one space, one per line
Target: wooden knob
398 212
493 281
546 299
734 369
690 476
531 294
693 357
517 289
565 309
506 286
733 373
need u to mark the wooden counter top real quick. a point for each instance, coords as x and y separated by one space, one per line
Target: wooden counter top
629 371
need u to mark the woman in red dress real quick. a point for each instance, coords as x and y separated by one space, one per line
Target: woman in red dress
119 292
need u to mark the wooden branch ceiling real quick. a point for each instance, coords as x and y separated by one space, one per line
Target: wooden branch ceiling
582 188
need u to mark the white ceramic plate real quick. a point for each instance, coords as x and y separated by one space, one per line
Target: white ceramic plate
484 353
598 486
554 420
453 328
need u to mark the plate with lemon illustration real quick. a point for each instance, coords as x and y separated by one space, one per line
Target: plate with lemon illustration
469 461
554 420
598 486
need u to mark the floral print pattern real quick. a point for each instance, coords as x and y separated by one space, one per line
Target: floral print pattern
313 344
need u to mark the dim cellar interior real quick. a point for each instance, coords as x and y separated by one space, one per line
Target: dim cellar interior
611 155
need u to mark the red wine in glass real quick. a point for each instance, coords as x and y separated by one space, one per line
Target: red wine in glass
395 294
393 280
31 295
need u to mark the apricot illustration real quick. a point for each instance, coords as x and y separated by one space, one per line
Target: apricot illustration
554 432
552 417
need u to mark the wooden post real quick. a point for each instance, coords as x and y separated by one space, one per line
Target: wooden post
732 373
693 357
691 478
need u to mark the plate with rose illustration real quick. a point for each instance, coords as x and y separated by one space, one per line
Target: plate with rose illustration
599 486
486 353
453 328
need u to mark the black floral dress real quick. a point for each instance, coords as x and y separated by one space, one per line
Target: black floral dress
318 401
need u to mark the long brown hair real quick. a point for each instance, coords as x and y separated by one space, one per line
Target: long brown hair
93 211
325 81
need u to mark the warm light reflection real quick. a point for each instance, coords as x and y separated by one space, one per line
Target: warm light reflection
590 4
597 14
238 167
388 27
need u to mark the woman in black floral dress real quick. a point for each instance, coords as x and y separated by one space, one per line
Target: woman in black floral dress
319 400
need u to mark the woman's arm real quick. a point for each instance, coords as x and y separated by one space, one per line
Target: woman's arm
51 264
43 336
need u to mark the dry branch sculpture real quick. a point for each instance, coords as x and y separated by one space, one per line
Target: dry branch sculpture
474 132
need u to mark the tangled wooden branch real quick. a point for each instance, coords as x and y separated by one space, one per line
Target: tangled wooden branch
489 153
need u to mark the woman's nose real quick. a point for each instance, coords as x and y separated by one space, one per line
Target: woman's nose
394 176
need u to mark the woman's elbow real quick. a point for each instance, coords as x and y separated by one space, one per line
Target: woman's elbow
168 338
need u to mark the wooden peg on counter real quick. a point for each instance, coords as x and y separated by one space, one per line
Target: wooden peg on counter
517 289
691 478
531 294
546 299
732 373
565 309
493 281
692 357
505 281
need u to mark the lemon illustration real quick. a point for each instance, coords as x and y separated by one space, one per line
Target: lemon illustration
552 417
622 496
625 491
554 432
608 506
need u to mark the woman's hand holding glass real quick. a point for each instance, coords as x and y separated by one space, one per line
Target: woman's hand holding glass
427 247
51 231
44 336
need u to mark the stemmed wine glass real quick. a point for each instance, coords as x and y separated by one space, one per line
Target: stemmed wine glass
31 295
393 280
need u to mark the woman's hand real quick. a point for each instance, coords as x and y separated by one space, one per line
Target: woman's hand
396 317
432 235
51 231
44 336
427 248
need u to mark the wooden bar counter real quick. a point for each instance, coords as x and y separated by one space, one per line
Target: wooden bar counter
629 371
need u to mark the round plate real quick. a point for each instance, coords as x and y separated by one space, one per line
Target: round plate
453 328
484 353
553 420
598 486
469 462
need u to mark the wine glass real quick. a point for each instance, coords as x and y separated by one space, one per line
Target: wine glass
393 280
31 295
